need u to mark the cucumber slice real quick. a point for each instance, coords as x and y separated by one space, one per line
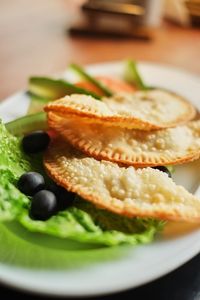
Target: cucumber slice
171 168
52 89
91 79
36 104
35 107
26 124
132 75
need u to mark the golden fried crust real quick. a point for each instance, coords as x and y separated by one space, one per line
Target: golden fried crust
143 192
146 110
131 147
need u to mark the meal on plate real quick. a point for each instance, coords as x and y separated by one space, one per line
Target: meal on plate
93 160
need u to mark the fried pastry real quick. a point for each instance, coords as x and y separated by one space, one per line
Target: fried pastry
169 146
143 192
146 110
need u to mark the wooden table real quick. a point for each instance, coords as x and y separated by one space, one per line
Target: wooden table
34 41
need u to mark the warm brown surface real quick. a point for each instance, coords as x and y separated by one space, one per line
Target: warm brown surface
33 40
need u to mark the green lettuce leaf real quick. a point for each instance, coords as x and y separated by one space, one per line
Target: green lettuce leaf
11 155
13 163
12 201
86 223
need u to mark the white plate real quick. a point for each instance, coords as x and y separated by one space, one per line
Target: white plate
143 263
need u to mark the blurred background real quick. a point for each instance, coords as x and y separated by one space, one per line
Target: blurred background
43 37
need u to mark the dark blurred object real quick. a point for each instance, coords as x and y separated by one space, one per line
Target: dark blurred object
176 11
193 7
118 18
127 8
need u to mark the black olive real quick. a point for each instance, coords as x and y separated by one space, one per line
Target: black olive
36 141
65 199
43 205
30 183
163 169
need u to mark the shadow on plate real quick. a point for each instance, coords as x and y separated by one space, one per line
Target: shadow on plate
21 248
